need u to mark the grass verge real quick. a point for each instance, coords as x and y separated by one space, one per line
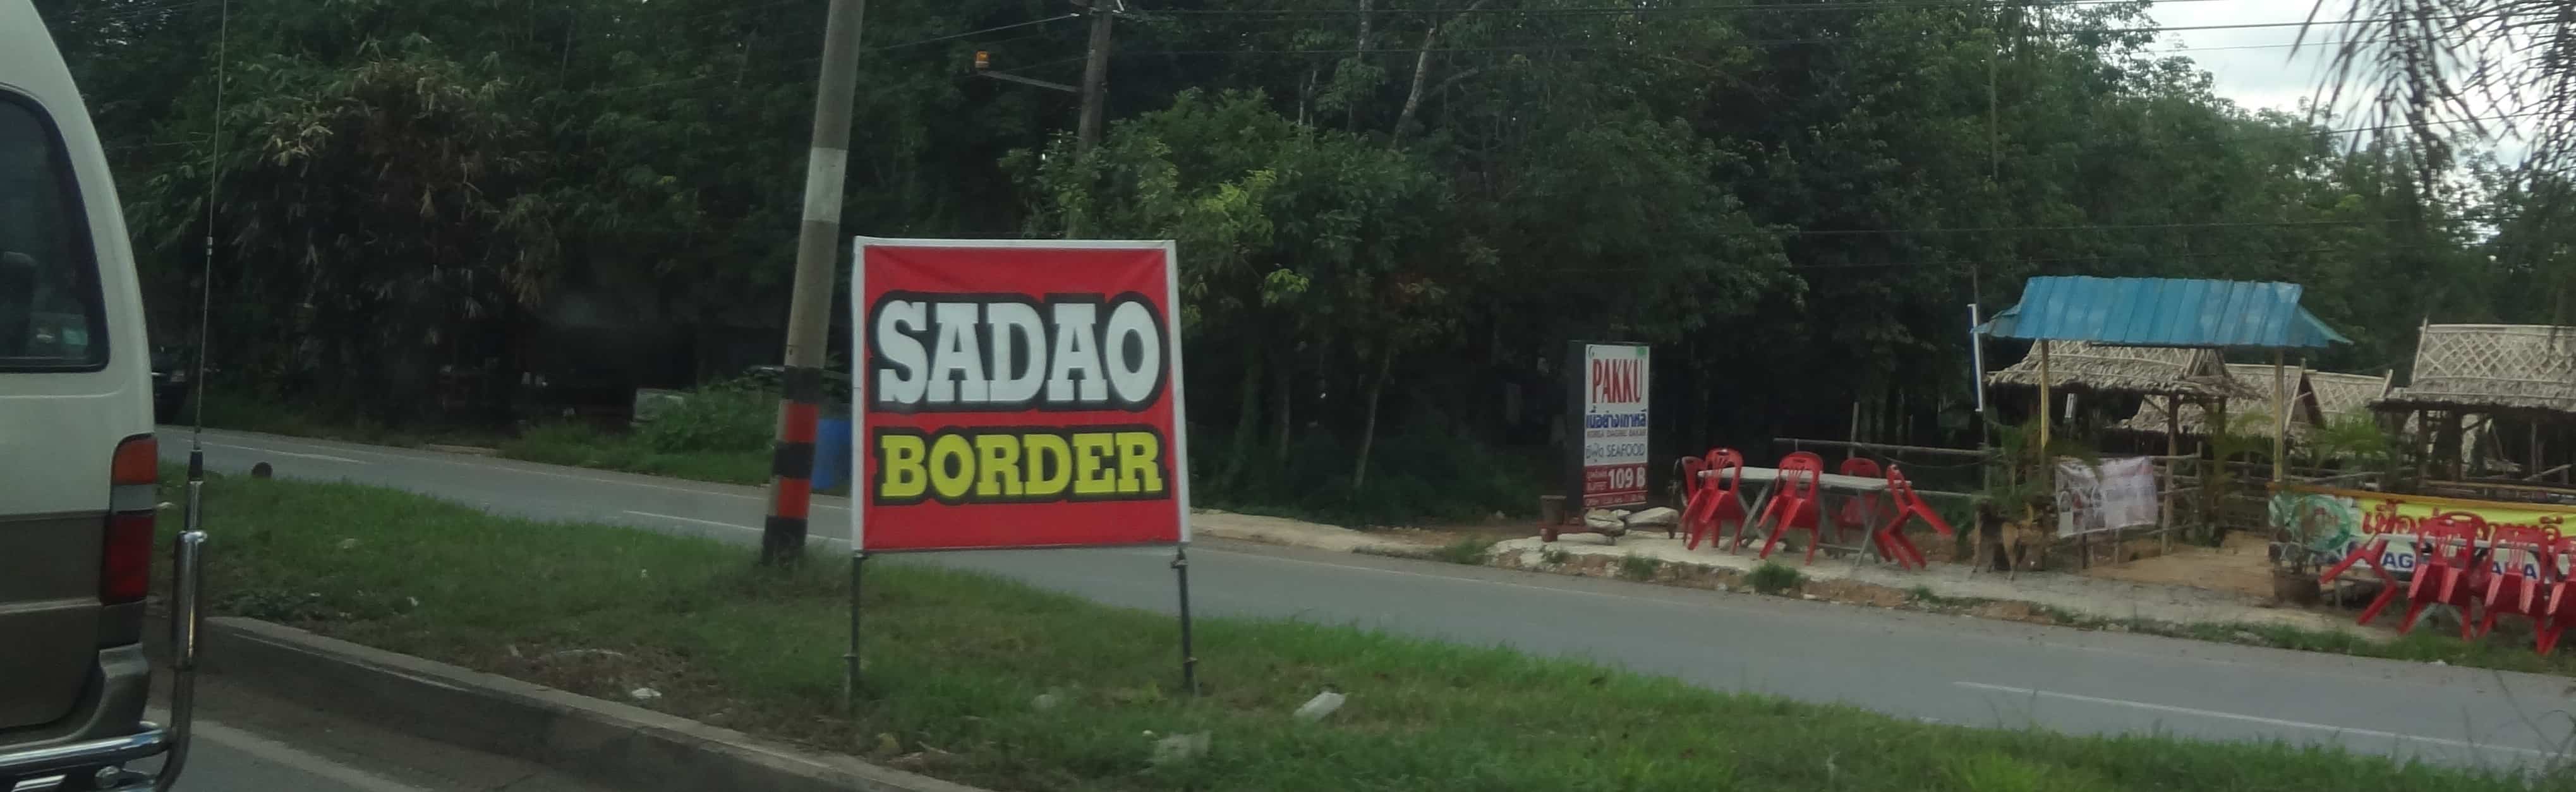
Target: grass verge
583 445
957 661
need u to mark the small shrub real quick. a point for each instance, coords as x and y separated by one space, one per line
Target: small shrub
723 417
1470 551
1637 567
1773 578
1554 556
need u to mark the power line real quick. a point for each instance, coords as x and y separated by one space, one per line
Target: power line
1765 42
2231 254
992 29
1624 11
2099 227
813 60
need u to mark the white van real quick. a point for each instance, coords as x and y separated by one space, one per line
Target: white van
77 458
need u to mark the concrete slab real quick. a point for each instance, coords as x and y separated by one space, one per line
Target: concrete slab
2074 594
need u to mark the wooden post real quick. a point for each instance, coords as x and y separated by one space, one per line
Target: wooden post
2280 415
2045 404
2173 448
2534 470
2047 466
2214 469
2423 444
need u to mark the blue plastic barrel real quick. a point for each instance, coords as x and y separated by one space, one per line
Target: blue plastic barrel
832 452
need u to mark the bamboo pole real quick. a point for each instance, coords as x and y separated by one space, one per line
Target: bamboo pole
2280 415
2173 446
2045 404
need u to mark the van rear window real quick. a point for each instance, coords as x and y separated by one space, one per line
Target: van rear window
51 317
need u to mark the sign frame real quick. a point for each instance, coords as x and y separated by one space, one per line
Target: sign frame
1578 362
1177 461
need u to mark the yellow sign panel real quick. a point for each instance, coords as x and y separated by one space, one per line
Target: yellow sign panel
2334 520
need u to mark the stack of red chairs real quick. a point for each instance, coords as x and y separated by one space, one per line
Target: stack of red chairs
2515 588
1795 502
1862 511
2448 570
2486 572
1891 539
1715 500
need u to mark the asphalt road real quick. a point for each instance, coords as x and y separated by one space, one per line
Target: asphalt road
246 742
1936 668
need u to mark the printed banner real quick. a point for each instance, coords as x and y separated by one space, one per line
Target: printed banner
1017 393
2120 493
2332 521
1613 454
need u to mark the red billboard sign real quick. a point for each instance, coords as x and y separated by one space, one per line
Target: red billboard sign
1017 393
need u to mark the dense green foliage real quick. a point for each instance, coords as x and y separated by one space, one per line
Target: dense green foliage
1392 215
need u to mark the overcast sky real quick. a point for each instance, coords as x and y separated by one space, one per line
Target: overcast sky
2257 67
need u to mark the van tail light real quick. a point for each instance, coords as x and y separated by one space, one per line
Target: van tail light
125 574
125 566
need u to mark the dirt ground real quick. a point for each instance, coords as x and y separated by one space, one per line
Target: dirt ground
2238 566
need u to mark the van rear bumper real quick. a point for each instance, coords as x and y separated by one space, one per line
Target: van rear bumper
58 759
96 763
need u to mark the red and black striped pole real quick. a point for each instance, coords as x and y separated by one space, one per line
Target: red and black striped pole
791 465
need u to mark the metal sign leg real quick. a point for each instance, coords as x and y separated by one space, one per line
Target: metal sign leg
850 659
1189 658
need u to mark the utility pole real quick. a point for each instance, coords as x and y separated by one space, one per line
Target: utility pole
809 318
1095 77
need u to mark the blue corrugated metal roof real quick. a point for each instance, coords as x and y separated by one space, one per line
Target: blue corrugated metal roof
2163 312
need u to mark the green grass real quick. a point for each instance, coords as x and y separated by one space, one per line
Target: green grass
2509 648
1772 578
583 445
954 661
1471 550
1636 567
1924 596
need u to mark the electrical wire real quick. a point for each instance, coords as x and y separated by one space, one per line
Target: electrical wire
1402 51
1633 10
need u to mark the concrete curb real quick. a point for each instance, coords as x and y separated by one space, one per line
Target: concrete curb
605 742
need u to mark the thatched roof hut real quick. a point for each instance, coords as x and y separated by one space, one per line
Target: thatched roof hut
2490 369
2079 366
2252 387
2341 396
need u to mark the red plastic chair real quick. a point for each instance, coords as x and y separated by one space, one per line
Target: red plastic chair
2447 570
1794 502
1862 511
1718 500
1891 539
2556 612
1686 470
2371 551
2514 588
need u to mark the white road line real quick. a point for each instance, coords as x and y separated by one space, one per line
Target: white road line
1450 578
461 461
2023 691
289 756
323 457
735 526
